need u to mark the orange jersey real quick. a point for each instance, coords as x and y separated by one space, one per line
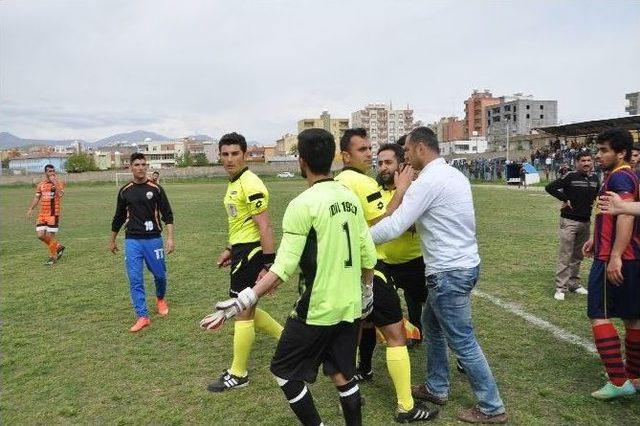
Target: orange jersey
49 198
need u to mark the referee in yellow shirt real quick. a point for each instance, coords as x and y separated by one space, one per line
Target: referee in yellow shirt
403 256
251 249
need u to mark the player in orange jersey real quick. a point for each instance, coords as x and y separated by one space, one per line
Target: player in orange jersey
48 193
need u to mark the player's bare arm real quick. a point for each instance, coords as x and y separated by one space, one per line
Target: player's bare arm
169 245
34 202
224 259
113 246
266 233
624 231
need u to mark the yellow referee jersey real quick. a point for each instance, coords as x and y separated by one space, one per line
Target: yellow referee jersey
404 248
246 197
368 192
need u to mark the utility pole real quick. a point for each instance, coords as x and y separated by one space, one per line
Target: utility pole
507 124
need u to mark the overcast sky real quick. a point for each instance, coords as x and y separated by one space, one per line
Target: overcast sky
89 69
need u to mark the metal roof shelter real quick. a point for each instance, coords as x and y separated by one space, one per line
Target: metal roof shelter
592 127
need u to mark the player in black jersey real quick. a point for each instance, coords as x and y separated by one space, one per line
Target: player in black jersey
140 206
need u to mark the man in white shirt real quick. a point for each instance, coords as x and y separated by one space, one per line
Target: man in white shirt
440 204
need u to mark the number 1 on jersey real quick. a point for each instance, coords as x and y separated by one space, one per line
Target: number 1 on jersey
349 262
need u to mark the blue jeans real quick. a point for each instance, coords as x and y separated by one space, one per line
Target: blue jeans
151 252
446 321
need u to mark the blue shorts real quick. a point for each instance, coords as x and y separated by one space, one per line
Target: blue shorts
606 300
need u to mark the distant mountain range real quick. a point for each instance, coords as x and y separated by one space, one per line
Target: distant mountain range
7 140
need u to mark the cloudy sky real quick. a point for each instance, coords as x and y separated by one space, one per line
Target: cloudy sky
88 69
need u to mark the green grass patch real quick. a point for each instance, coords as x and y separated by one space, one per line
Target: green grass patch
67 355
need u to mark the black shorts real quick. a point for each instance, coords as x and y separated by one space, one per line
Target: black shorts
386 303
246 263
302 348
410 277
606 300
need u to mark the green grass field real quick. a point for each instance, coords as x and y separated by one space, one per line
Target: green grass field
68 358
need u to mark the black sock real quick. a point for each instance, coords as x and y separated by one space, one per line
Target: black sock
351 403
367 345
300 401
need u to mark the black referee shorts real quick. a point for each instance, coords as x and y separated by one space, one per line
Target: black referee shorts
410 277
246 263
303 347
386 303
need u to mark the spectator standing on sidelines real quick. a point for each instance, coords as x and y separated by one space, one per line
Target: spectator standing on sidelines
440 204
635 158
577 190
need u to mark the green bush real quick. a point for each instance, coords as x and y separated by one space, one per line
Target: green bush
78 163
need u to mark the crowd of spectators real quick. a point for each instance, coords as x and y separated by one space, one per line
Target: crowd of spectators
552 161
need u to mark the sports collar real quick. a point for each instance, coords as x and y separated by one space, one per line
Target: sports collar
354 169
624 166
323 180
236 177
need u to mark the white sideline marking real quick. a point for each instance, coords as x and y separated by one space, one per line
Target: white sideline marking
559 333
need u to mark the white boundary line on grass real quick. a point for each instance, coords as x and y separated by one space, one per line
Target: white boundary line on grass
559 333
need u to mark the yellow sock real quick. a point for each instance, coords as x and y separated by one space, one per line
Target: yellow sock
399 367
266 323
243 336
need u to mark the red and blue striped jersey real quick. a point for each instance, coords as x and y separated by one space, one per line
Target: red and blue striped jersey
624 181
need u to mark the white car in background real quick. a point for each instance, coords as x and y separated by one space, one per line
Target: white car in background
285 175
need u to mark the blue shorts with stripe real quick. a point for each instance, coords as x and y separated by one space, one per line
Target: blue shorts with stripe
607 300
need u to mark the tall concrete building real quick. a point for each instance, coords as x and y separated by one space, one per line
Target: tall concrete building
475 118
518 115
633 108
285 144
383 123
448 129
335 126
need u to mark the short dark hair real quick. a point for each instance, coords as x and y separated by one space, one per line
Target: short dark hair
49 167
397 150
233 139
402 140
635 147
619 139
425 136
317 148
345 140
136 156
583 153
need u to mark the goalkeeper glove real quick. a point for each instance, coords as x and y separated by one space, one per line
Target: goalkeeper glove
367 299
228 309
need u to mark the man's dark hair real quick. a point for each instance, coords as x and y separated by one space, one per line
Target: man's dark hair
425 136
345 140
233 139
583 153
136 156
635 147
619 140
49 167
402 140
317 148
397 150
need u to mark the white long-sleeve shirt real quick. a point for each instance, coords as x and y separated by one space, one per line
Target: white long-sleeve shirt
440 204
